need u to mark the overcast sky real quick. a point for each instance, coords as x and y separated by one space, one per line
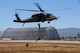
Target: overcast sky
68 18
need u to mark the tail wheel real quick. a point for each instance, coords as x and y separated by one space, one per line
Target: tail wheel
23 24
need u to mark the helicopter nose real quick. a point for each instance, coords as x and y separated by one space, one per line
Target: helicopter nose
55 18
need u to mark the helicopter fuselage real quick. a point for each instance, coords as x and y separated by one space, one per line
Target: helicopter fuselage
40 17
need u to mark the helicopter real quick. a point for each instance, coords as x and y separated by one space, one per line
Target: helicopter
39 17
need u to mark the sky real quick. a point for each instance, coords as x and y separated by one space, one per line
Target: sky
69 18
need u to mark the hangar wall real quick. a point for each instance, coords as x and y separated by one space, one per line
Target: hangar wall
45 33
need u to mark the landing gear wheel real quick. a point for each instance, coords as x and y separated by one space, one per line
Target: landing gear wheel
48 22
42 21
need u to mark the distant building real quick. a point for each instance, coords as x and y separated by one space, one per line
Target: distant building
0 38
45 33
78 35
6 38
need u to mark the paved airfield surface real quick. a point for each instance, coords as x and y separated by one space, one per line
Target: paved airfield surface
40 46
49 41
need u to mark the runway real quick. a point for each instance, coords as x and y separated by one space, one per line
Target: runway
44 41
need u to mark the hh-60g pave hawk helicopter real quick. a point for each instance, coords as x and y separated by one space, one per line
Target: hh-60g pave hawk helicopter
39 17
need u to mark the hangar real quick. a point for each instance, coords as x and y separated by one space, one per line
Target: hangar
45 33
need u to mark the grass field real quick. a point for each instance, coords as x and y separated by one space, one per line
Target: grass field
39 47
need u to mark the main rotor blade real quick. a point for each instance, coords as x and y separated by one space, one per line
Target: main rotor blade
28 10
39 7
60 9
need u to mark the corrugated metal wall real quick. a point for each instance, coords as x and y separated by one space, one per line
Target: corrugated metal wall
45 33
